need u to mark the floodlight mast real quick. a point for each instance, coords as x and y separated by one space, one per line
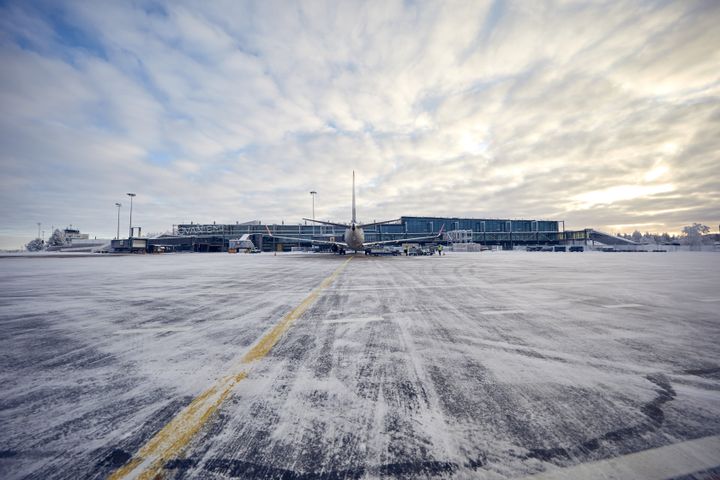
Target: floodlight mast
313 193
131 195
117 236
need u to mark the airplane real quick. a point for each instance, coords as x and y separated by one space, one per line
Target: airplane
354 233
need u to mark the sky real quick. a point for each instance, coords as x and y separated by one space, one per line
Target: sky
604 114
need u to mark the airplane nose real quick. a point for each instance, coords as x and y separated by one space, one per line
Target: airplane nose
353 228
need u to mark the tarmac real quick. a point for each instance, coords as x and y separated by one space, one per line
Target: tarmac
299 366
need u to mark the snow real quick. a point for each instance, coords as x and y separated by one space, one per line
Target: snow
491 365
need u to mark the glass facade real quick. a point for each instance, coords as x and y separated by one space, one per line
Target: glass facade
491 231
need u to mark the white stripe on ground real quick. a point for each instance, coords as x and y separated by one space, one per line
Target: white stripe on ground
151 330
355 320
656 464
500 312
624 305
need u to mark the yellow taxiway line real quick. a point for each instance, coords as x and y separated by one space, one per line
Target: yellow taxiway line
173 438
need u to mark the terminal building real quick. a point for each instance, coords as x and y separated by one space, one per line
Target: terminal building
500 233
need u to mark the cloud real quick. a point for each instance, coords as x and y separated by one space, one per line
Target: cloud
601 114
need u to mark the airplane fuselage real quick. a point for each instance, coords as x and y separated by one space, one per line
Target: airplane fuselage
354 237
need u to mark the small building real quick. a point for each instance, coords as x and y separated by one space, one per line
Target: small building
129 245
71 234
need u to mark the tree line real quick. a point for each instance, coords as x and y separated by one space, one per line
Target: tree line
693 235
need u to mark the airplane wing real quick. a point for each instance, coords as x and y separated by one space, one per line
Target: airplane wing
341 225
403 240
365 225
304 240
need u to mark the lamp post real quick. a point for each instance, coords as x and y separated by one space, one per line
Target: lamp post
313 193
38 224
118 205
131 195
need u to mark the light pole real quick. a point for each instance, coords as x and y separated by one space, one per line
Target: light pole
131 195
38 224
118 205
313 193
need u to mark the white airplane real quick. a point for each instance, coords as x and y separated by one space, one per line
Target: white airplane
354 235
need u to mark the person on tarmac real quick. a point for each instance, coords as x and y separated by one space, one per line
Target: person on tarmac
439 249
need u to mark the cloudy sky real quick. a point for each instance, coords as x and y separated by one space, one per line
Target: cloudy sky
602 114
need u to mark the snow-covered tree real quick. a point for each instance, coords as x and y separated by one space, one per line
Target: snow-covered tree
636 236
693 234
35 245
652 238
57 239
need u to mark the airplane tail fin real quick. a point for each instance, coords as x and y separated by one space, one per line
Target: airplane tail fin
353 200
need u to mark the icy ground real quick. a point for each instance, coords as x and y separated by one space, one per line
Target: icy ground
492 365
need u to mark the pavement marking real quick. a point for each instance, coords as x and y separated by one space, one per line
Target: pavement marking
356 320
655 464
710 299
624 305
129 331
500 312
171 440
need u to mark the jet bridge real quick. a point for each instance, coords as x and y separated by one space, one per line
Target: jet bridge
609 239
590 234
